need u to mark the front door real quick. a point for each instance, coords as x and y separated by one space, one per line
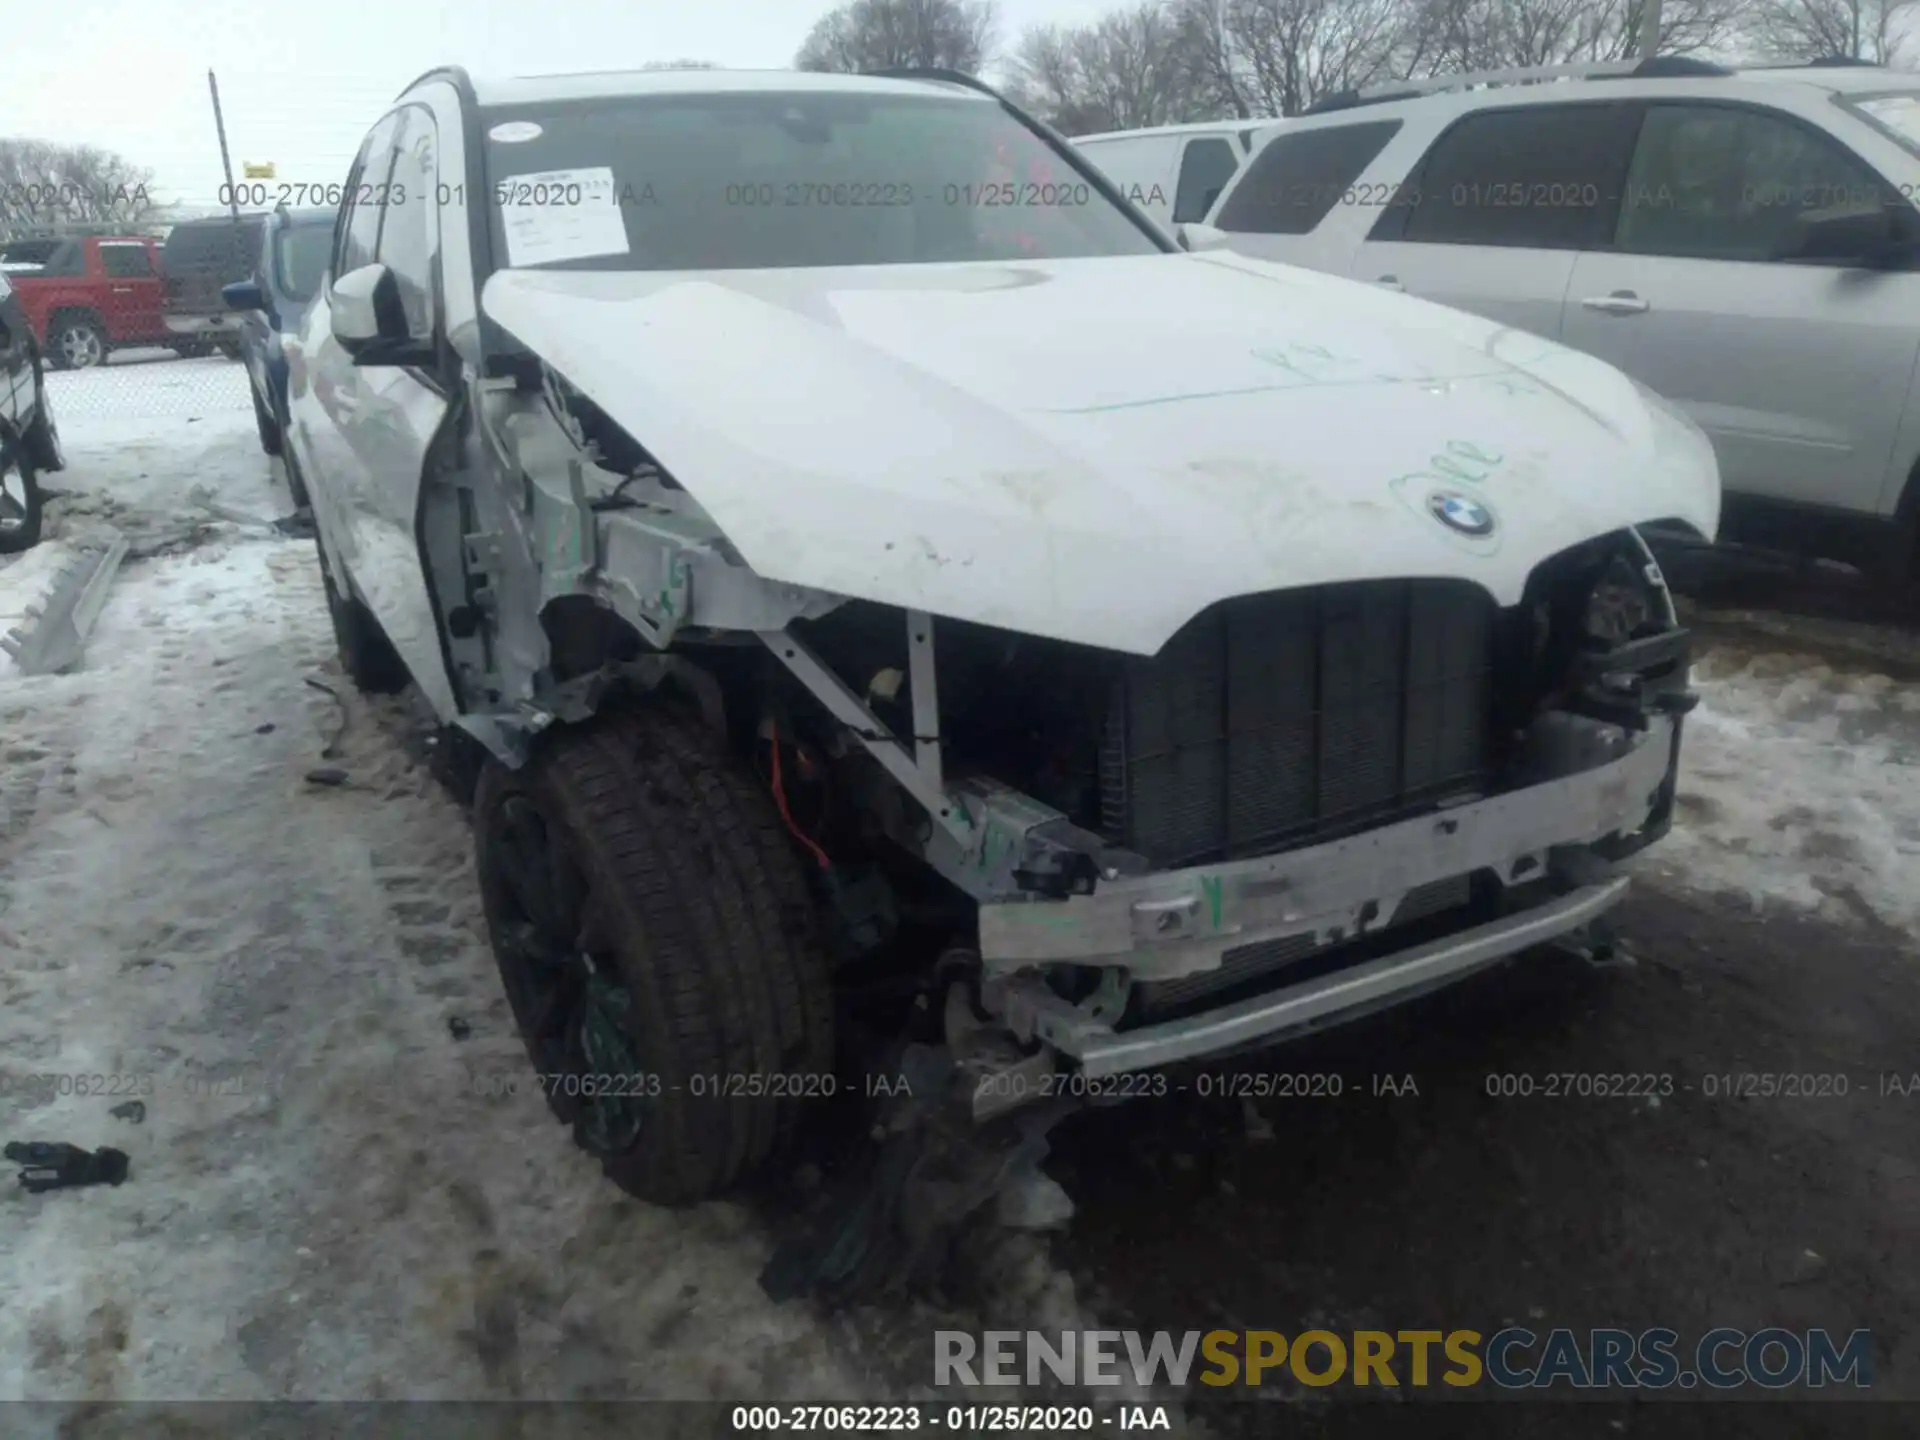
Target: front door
398 411
1506 200
136 296
1798 371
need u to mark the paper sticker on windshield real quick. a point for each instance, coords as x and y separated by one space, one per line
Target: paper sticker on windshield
555 215
513 132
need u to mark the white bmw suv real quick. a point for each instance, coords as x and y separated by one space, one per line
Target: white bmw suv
837 519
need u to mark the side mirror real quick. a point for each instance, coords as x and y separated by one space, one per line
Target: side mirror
243 295
1869 239
1195 236
366 312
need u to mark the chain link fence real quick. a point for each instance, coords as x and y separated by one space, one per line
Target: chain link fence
119 232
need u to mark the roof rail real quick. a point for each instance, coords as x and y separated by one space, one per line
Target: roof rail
1654 67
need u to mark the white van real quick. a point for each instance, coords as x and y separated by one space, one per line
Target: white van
1174 172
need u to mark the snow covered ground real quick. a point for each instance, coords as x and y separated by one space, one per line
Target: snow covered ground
1800 783
329 1198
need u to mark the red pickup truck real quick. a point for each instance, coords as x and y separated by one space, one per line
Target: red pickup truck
86 295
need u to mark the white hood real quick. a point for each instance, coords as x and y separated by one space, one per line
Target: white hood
1097 450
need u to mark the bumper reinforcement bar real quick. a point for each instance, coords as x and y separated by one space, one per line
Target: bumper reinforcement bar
1311 1004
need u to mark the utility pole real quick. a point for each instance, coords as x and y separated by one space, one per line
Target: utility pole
1649 28
220 125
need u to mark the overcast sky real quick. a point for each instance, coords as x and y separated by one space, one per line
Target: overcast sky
301 84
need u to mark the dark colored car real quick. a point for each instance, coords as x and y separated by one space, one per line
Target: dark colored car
29 438
288 269
201 257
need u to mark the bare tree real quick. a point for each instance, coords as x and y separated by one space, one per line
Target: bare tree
1207 49
1129 69
1453 35
45 186
1876 30
871 35
1282 55
1268 57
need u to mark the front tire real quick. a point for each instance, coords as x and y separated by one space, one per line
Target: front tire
19 502
652 924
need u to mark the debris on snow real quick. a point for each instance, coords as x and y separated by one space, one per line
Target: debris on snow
56 1165
54 633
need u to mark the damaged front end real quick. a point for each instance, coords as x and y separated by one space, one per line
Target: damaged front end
1169 857
1308 805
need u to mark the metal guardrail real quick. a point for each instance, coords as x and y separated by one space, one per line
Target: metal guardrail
56 631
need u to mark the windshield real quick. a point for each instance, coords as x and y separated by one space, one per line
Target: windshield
779 180
27 252
1898 115
300 255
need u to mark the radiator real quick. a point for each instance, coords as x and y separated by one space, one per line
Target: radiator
1275 720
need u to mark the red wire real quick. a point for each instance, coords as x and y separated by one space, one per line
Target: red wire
780 800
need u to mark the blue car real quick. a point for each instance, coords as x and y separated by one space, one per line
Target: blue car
294 248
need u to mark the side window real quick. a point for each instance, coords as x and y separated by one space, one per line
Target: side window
1204 172
358 233
1296 179
410 238
1722 182
127 262
67 261
1543 177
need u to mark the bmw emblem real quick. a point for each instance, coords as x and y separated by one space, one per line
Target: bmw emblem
1460 512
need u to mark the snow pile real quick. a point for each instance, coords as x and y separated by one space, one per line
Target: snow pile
1799 785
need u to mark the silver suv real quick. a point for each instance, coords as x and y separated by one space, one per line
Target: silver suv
1744 242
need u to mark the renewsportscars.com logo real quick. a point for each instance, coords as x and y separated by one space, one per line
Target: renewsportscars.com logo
1511 1359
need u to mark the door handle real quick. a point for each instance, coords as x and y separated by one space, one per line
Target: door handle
123 289
1620 302
1391 282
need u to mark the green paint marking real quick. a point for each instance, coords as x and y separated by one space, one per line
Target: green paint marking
994 839
677 572
1467 450
1210 885
1480 465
